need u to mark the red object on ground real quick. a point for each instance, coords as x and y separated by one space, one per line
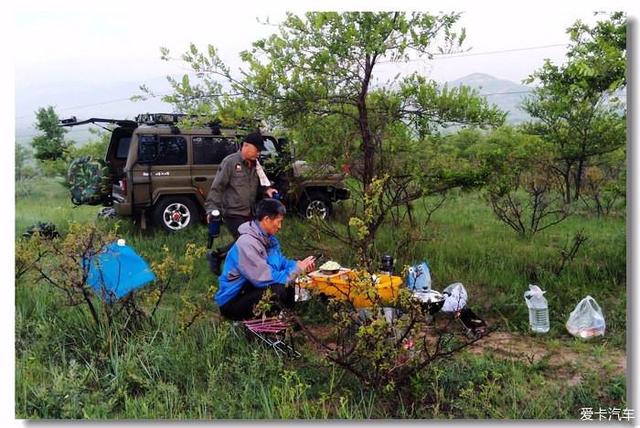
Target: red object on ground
268 325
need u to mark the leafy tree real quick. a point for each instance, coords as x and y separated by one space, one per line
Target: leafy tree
96 147
605 182
50 145
575 106
22 155
521 189
319 76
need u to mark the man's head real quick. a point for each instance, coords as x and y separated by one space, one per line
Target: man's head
270 213
252 145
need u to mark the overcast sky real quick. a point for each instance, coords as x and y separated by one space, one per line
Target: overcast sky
120 41
95 46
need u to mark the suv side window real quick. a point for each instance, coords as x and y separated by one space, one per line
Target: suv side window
169 150
211 150
122 151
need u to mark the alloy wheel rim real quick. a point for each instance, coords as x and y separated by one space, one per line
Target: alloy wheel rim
176 216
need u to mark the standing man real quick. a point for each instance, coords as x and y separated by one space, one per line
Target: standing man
236 186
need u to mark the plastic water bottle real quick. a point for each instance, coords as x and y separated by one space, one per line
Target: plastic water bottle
538 309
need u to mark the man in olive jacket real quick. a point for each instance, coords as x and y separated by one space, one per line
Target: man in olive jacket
235 188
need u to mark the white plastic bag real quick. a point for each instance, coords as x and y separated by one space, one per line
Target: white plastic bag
455 297
586 320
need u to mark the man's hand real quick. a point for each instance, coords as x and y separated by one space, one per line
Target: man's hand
271 191
308 264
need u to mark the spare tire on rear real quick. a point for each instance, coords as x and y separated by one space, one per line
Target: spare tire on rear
89 181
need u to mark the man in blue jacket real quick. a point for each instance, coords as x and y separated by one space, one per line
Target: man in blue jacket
255 263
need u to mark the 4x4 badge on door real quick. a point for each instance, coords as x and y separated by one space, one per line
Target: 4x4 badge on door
157 173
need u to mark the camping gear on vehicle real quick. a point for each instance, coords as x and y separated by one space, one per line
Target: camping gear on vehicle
586 320
455 297
419 277
116 271
431 301
538 309
89 181
472 323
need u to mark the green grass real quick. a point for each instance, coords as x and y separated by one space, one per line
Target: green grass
65 369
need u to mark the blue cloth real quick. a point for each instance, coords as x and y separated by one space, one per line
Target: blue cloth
419 277
256 258
116 271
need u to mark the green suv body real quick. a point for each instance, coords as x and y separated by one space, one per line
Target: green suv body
163 173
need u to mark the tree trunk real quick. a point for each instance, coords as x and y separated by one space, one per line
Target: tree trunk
578 180
367 139
566 177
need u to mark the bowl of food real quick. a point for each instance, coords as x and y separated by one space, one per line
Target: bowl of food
330 268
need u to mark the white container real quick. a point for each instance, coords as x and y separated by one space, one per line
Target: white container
538 309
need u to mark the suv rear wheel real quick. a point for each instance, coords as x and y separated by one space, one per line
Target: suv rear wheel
316 205
175 213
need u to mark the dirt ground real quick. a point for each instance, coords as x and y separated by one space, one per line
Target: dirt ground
566 360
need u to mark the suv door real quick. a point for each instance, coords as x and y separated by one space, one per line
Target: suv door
116 158
208 152
118 151
162 167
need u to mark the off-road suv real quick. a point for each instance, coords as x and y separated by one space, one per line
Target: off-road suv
162 172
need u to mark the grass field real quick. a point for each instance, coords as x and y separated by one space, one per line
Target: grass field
66 369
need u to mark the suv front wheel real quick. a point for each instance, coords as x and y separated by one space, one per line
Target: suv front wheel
175 213
316 205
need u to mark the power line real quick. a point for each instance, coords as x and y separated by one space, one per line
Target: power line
436 57
447 56
444 56
508 92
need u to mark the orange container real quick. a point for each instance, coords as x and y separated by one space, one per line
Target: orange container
339 286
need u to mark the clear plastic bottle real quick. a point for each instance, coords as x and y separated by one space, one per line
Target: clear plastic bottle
538 309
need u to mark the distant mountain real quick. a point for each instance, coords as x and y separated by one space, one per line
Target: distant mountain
505 94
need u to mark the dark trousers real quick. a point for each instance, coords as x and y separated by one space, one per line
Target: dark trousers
241 306
233 223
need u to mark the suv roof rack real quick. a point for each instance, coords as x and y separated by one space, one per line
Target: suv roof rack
174 118
171 119
73 121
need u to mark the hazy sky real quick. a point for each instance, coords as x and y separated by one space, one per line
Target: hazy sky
118 41
73 54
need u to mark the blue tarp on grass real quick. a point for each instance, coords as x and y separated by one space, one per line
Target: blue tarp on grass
117 271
